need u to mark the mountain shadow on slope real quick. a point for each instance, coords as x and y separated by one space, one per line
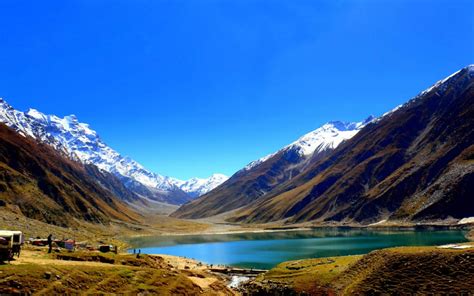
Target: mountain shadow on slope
39 183
415 163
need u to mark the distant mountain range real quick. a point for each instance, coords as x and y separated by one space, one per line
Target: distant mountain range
263 175
196 187
414 163
79 142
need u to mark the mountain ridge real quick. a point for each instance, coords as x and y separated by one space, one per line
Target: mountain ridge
413 163
263 175
39 183
79 142
199 186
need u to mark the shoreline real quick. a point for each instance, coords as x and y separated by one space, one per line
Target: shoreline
38 271
378 227
387 229
231 232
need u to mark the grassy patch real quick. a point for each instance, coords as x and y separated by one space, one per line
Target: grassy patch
308 275
403 270
85 273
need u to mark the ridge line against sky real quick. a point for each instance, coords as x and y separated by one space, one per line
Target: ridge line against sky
193 88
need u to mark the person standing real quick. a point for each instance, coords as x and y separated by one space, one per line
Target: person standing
50 243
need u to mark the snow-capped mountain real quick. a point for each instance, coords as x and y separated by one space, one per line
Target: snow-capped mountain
265 174
439 87
327 137
79 142
197 186
414 164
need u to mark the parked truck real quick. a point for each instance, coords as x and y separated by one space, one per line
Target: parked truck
10 244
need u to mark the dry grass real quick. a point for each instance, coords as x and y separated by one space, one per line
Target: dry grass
160 224
94 233
310 275
394 271
90 232
411 270
86 273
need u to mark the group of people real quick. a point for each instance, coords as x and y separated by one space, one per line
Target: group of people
135 252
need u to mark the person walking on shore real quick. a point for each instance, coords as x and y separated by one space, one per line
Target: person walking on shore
50 243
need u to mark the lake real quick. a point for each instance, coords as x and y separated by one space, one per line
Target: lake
267 249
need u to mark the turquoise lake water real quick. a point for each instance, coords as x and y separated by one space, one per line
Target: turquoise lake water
265 250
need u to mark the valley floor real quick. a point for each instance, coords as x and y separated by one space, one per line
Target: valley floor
152 224
39 273
403 270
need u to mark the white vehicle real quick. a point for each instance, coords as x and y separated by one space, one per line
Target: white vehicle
10 244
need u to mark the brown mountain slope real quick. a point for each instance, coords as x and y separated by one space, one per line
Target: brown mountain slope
37 182
415 163
113 184
245 186
393 271
262 176
174 196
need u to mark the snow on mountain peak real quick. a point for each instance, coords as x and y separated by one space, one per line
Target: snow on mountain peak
79 142
35 114
197 186
328 136
438 87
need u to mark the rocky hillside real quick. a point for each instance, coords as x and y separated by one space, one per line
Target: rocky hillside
414 163
77 141
261 176
39 183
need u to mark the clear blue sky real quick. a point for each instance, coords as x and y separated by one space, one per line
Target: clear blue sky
192 87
